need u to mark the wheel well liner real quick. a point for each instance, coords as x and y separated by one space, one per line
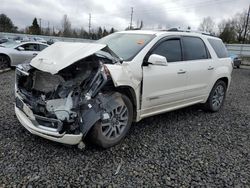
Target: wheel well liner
224 79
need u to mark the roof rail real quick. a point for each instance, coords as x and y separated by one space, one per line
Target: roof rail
189 31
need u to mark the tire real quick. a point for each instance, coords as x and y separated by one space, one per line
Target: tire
4 62
216 97
238 66
106 134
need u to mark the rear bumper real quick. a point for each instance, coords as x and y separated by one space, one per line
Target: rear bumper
64 138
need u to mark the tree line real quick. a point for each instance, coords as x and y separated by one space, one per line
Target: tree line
231 30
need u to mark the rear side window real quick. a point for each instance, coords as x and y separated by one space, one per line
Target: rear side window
219 48
194 48
171 49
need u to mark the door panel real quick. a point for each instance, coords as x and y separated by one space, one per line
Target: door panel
198 77
199 67
163 84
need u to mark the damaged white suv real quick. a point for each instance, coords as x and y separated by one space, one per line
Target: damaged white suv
73 91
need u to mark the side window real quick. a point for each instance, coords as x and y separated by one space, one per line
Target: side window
42 47
30 47
194 48
171 49
219 48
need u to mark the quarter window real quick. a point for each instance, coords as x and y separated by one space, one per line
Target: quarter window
171 49
194 48
219 48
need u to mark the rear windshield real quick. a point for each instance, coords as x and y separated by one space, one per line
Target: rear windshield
219 48
126 45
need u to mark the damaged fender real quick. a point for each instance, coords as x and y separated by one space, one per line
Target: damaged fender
98 109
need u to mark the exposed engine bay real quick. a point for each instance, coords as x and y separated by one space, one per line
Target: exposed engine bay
71 100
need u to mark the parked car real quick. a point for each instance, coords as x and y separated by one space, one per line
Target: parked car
12 53
20 39
3 39
75 91
52 41
39 39
236 60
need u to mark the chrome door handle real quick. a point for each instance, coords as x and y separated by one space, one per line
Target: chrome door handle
210 68
181 71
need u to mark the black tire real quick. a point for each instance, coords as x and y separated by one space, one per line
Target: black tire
4 62
216 97
238 66
97 133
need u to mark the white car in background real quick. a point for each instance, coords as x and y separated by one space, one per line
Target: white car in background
39 39
12 53
71 92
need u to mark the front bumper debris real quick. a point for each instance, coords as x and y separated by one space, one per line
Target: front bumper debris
29 121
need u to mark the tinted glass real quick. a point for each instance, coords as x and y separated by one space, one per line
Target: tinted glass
126 45
171 49
219 48
42 47
30 47
194 48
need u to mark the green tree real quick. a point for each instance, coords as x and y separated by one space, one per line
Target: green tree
105 32
34 28
228 34
99 33
112 30
6 24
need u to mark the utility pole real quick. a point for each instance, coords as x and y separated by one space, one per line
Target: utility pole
48 28
40 23
89 25
244 37
131 18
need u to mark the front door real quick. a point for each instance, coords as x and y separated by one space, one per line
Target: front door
164 86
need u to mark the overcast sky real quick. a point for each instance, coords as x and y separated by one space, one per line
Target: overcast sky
116 13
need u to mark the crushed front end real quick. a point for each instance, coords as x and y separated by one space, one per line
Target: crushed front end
64 106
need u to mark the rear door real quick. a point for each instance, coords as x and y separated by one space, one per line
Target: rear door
199 67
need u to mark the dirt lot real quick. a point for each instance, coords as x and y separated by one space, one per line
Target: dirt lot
183 148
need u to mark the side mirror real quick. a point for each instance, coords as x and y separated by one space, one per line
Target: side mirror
20 48
155 59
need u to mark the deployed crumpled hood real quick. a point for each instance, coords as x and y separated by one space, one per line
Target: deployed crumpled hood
62 54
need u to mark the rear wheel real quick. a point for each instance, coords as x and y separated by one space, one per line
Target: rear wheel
216 97
4 62
111 132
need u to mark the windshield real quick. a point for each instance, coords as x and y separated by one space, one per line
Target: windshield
9 44
126 45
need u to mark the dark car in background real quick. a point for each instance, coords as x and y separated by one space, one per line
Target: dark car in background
236 60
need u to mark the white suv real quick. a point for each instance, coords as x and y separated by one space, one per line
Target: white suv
73 92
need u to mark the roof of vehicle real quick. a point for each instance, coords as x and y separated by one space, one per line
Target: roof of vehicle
170 32
34 42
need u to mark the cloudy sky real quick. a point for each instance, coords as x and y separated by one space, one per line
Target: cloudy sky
116 13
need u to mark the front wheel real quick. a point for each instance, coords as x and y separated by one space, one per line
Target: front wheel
4 62
110 133
216 97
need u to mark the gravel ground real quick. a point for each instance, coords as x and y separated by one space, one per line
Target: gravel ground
184 148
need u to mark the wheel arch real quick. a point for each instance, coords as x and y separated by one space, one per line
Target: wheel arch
126 90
